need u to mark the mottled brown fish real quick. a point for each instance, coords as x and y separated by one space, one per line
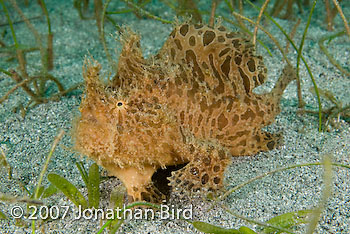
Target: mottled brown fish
193 103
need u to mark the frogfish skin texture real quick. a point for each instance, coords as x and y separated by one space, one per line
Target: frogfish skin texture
192 103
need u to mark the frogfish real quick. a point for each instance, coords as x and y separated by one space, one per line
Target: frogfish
191 104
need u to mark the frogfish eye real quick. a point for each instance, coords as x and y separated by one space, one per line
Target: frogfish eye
120 105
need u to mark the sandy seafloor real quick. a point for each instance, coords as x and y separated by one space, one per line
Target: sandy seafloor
26 141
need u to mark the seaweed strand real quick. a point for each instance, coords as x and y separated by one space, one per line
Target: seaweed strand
35 33
10 23
19 52
346 24
304 61
212 13
42 173
301 103
102 36
225 195
258 20
292 33
327 191
329 56
14 88
240 22
49 50
146 13
268 34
